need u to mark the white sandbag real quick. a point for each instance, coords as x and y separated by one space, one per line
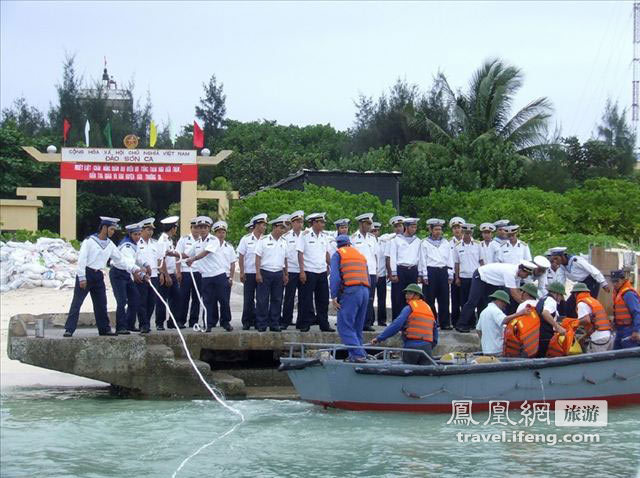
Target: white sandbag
69 283
55 284
32 268
16 283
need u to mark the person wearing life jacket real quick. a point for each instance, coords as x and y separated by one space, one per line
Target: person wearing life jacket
626 311
552 334
349 288
418 325
593 318
490 327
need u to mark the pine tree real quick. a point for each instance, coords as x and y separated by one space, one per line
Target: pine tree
212 110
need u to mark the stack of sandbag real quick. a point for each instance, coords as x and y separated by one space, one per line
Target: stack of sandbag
47 263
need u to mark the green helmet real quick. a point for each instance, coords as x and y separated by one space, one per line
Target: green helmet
556 287
415 288
580 287
500 295
530 289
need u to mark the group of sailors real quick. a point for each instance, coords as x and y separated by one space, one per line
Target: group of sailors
457 279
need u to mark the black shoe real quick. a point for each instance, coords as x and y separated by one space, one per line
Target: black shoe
463 331
246 327
207 330
368 328
182 326
282 329
330 329
145 331
261 329
446 327
108 333
275 329
227 327
134 330
122 332
67 334
305 329
383 324
159 327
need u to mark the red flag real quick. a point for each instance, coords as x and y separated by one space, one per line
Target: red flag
198 136
66 126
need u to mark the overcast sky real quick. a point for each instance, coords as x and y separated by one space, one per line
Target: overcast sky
306 63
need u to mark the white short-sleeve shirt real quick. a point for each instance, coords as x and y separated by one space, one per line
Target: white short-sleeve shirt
490 324
314 248
498 274
272 252
247 248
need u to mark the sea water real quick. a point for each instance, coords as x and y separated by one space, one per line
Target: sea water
88 433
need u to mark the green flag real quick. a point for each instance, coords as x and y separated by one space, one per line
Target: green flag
107 134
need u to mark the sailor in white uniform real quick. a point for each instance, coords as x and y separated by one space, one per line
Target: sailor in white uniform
169 274
513 250
404 254
486 229
435 271
467 259
500 238
381 275
247 264
455 224
296 220
95 251
147 251
366 243
189 303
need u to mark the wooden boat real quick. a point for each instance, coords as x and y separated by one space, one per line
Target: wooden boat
386 384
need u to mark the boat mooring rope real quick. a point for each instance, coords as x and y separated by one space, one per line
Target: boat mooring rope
217 395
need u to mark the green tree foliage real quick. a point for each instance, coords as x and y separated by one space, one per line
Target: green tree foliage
336 204
212 110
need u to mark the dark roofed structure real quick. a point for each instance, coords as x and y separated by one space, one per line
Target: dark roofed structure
383 184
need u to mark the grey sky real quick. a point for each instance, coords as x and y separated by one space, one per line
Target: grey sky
305 63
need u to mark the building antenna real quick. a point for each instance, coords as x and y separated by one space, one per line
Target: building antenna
635 113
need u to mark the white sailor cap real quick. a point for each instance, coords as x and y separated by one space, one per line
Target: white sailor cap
316 216
557 251
109 221
204 220
501 223
367 216
341 222
456 221
487 226
434 221
376 225
248 225
220 225
528 265
468 227
395 220
512 228
148 222
194 221
136 227
170 220
411 220
262 217
542 261
280 219
296 215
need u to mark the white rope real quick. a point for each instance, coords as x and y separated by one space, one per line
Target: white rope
211 390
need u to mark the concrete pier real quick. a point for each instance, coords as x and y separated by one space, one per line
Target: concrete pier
238 363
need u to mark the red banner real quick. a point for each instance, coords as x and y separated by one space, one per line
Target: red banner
117 172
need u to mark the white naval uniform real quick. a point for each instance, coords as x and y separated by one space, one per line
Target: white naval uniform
292 251
272 252
367 245
95 253
495 244
230 256
486 254
129 259
578 269
164 245
314 248
186 243
513 254
501 275
147 249
556 276
434 254
468 256
213 264
247 248
401 252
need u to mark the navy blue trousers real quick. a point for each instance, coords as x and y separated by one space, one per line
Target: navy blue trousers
456 302
171 294
381 291
406 276
351 317
478 297
249 301
315 291
215 290
146 304
438 290
95 286
372 295
269 299
290 290
126 294
188 295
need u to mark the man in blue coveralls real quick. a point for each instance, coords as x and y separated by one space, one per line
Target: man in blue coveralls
626 311
349 284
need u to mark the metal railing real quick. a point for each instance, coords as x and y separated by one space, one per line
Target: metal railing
333 348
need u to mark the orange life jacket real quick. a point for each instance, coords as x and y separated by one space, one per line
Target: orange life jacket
421 321
522 335
621 313
559 345
599 317
353 267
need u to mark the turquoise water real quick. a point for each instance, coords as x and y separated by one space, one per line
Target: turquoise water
87 433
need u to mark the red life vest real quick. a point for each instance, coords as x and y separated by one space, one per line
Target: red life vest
522 335
558 347
599 317
353 267
421 321
621 313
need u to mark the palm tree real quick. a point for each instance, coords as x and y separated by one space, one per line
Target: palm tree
484 111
